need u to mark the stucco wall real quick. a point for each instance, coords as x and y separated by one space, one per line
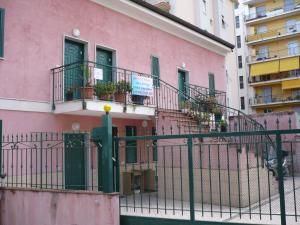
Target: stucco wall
40 207
34 34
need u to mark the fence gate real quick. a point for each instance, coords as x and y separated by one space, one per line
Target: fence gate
216 178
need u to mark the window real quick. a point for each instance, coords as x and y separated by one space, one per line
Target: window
267 95
237 22
243 103
261 29
2 14
131 146
204 6
263 53
289 5
241 82
261 11
236 5
223 22
291 26
240 61
155 70
293 48
267 110
238 41
296 94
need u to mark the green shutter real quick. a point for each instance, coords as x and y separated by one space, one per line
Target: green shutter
155 71
211 79
131 146
2 14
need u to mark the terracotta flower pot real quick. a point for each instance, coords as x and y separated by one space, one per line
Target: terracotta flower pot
87 92
106 97
120 97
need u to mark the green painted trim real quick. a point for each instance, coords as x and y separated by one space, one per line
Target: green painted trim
216 134
2 22
132 220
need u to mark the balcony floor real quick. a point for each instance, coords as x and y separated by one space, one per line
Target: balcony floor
96 108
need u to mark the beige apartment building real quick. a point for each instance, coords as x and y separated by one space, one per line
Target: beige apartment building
217 17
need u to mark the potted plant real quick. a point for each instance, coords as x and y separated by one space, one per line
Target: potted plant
87 91
185 106
105 91
204 119
69 94
210 103
217 110
223 126
138 99
122 88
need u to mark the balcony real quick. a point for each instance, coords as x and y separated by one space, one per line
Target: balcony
84 89
272 13
273 79
278 33
274 100
265 55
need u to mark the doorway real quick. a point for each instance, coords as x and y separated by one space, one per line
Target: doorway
104 60
183 81
73 75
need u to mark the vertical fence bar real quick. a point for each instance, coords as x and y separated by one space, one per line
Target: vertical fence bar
53 90
191 178
1 147
117 165
280 178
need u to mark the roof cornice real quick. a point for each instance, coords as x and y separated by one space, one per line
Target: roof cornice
155 17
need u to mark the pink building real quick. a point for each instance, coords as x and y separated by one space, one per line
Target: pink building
62 61
124 34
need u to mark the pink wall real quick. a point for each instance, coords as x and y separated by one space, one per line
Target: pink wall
26 122
34 32
36 207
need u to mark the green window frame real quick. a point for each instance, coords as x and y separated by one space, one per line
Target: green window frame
131 146
2 16
155 70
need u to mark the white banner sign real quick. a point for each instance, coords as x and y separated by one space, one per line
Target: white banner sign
98 74
141 85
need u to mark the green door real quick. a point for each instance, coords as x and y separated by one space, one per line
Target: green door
75 161
104 58
73 79
182 86
211 82
131 146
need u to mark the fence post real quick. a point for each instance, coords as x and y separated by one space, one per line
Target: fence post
107 163
280 178
191 178
116 142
